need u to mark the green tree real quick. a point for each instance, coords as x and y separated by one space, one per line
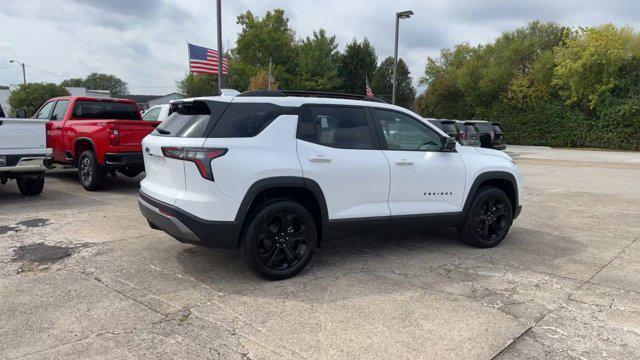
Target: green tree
357 63
594 63
112 83
261 39
318 63
75 82
198 85
31 96
382 83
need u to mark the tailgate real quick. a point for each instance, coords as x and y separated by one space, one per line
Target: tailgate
23 134
132 132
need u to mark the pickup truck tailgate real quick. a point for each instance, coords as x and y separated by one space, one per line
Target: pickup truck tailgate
18 134
132 132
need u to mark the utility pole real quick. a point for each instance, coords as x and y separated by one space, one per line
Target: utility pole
221 82
400 15
269 81
24 73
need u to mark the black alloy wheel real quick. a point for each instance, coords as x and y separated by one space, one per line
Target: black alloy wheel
491 218
282 241
488 220
90 173
278 239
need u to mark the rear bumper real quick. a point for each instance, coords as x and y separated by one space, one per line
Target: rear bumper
124 159
24 163
188 228
499 146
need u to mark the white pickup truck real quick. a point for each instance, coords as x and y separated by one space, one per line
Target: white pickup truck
24 155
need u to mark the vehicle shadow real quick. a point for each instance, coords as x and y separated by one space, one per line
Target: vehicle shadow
111 185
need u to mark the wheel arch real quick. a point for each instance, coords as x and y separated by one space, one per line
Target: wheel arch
299 189
502 180
80 145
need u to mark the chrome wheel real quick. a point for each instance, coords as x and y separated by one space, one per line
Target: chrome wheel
86 170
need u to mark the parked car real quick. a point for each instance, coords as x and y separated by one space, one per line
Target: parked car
1 112
97 135
24 155
461 131
498 139
275 173
488 135
157 113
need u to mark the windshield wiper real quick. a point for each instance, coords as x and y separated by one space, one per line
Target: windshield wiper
163 131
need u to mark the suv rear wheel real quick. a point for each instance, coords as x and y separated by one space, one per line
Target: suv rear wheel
90 173
279 239
31 186
488 220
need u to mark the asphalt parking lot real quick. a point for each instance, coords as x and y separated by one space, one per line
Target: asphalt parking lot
82 276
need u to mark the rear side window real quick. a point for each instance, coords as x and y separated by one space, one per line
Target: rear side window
338 127
498 129
242 120
105 110
189 119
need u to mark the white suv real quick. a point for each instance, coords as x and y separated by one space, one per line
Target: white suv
275 172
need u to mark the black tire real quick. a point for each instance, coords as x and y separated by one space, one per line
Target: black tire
90 173
270 250
31 186
489 218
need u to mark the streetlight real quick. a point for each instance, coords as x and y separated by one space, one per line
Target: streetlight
24 76
400 15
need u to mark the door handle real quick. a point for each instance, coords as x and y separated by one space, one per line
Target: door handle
319 159
403 162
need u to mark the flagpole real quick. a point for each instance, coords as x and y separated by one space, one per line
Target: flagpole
220 54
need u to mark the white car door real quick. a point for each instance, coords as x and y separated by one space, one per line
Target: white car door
337 149
424 179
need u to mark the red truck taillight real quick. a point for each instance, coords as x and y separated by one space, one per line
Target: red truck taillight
200 156
114 134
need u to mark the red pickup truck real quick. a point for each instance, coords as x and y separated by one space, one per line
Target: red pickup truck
98 135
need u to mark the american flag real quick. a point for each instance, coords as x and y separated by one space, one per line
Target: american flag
367 88
205 61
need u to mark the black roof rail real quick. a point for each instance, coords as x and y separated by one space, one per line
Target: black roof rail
304 93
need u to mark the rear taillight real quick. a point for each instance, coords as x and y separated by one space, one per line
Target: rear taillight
114 134
463 135
493 135
200 156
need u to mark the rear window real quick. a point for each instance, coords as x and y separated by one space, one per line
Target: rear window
242 120
105 110
189 119
484 127
448 127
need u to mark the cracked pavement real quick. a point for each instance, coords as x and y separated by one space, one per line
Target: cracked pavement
82 276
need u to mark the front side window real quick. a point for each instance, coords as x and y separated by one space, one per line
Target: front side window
402 132
105 110
339 127
60 110
45 112
152 115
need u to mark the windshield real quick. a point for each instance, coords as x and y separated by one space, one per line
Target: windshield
85 109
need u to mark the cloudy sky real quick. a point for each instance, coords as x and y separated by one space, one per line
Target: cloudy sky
144 41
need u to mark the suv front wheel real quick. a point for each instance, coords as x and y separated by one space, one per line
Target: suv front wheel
279 239
488 220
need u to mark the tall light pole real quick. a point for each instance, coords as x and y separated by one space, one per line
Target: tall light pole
24 74
400 15
220 54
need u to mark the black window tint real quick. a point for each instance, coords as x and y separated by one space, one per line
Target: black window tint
60 110
105 110
242 120
497 129
339 127
484 127
448 127
402 132
469 128
189 119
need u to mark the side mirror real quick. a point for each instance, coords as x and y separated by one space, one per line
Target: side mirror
21 113
449 145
